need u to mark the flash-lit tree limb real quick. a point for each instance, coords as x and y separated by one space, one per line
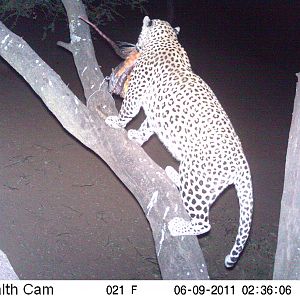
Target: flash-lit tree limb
178 257
287 258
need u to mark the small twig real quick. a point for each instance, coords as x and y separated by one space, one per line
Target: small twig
108 241
63 233
71 208
149 259
83 185
12 188
23 160
100 215
42 147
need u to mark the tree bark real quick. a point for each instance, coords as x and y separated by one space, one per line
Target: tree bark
178 257
287 258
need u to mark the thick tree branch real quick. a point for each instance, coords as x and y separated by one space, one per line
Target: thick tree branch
178 257
81 47
287 258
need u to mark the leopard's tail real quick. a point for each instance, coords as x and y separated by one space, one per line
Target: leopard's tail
243 185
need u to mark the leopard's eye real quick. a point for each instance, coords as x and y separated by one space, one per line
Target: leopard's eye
150 23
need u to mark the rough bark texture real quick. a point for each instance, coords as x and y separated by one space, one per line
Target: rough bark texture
6 270
178 257
287 259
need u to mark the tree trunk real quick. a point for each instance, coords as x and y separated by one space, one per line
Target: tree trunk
287 258
178 257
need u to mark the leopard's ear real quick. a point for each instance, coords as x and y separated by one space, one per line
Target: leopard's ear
177 30
147 22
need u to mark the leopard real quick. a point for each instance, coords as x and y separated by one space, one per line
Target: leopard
185 114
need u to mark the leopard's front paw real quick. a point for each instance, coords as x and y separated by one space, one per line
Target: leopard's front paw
136 136
113 121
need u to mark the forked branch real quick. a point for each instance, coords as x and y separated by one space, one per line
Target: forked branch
178 257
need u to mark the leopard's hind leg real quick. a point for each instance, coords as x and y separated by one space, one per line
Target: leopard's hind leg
197 194
142 134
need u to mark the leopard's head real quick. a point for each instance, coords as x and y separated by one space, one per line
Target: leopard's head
155 31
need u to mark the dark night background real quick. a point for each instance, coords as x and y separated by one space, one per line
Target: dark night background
64 215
